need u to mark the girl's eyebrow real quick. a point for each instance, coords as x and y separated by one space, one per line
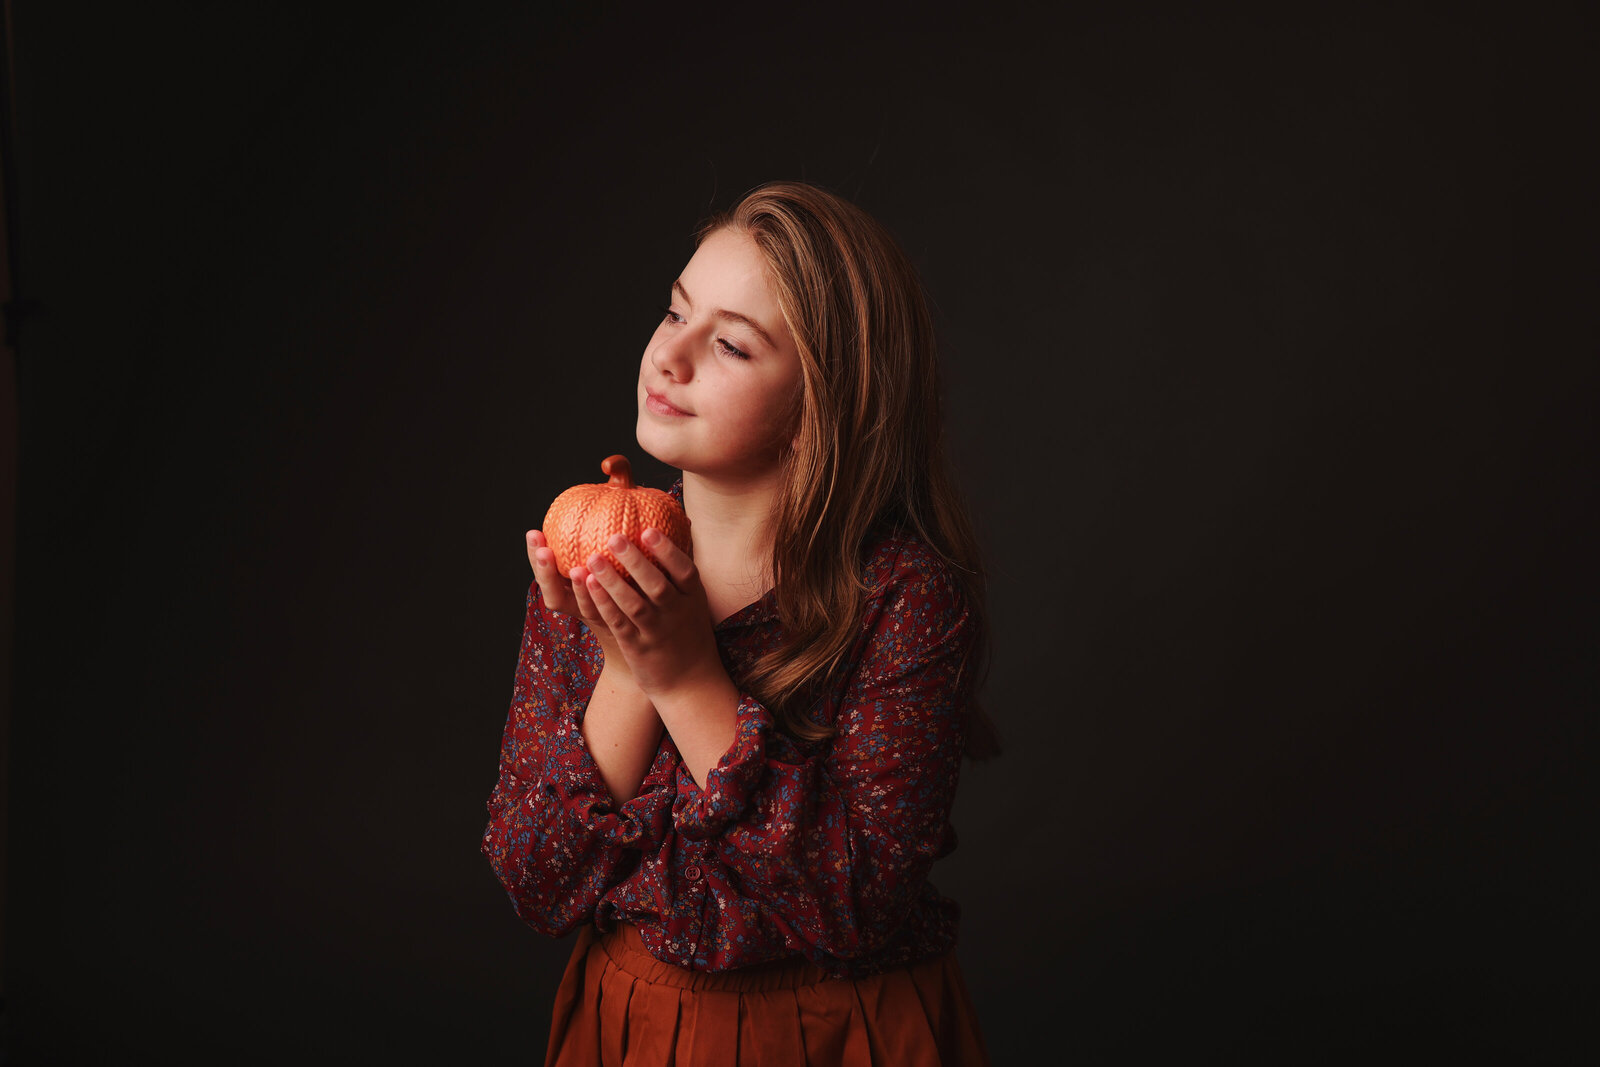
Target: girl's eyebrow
731 316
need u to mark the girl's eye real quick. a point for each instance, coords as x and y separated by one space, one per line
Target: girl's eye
727 349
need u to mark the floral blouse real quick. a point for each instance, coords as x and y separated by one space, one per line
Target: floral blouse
818 849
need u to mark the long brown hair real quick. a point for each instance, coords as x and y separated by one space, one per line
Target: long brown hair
869 454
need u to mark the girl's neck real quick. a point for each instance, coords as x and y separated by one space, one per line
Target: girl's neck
732 541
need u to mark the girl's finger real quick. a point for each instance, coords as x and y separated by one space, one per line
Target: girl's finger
580 594
614 618
542 557
625 596
556 590
544 563
535 541
651 582
677 564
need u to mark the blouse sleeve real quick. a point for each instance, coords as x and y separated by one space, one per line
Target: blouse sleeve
825 854
556 839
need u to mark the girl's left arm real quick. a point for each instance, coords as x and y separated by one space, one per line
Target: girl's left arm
780 850
663 627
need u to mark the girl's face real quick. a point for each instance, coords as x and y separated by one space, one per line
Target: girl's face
720 378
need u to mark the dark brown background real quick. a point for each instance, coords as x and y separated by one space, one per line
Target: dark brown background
1279 458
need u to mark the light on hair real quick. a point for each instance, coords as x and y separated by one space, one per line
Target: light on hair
868 457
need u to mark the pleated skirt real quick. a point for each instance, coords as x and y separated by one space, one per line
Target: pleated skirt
619 1006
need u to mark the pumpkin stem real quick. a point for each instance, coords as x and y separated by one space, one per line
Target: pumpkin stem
620 471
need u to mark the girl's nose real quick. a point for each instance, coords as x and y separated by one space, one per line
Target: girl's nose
672 358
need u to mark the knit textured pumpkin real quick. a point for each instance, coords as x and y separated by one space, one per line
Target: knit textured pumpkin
585 517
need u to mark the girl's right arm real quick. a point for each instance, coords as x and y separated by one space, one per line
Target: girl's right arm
620 726
556 838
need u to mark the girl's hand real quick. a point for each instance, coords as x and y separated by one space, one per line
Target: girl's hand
663 626
560 595
555 589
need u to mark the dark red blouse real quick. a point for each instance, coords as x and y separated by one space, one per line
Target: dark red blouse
818 849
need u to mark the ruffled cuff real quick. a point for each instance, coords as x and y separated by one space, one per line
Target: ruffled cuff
701 813
572 779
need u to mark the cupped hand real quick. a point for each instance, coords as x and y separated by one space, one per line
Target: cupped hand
554 587
660 620
564 593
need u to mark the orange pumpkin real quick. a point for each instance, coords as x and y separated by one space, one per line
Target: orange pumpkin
585 517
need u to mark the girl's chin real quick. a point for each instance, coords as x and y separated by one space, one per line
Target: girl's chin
656 448
708 460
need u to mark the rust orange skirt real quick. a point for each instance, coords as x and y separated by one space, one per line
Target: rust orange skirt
619 1006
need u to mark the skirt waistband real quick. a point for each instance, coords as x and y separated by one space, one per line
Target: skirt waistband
627 950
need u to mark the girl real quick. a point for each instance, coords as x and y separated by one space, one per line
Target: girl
735 772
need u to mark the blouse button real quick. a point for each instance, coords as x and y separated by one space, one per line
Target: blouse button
692 872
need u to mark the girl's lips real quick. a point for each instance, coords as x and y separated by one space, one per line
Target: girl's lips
657 405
